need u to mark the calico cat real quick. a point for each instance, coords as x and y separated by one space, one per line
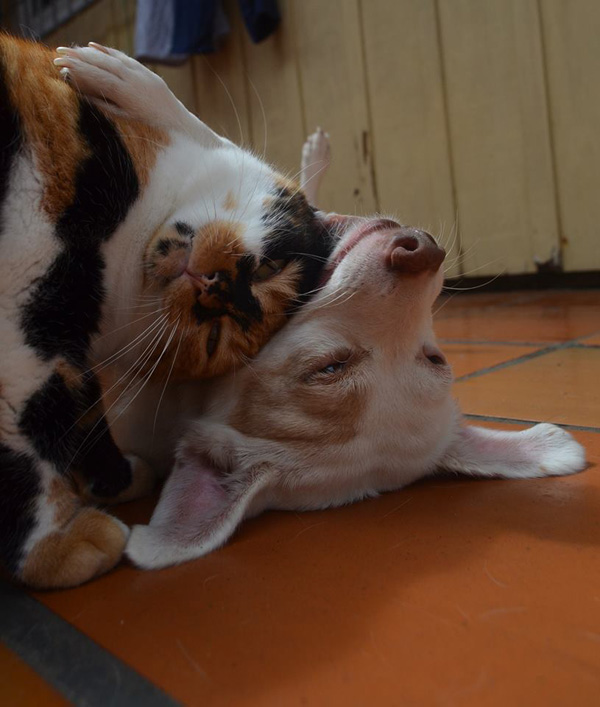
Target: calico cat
154 251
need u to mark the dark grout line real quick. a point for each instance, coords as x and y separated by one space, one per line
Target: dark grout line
561 346
518 421
482 342
575 343
81 670
511 362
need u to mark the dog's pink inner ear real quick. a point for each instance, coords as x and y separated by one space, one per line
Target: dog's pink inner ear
192 499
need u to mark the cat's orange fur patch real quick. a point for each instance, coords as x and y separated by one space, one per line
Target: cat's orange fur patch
50 125
64 499
230 202
218 247
70 375
143 143
90 545
48 109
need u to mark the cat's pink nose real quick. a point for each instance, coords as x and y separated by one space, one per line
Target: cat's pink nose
414 251
203 281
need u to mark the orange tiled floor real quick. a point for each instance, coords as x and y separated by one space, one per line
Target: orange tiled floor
450 592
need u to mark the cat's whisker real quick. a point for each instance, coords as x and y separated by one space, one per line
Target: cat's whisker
121 352
444 303
263 113
448 288
85 441
147 377
112 387
167 381
134 321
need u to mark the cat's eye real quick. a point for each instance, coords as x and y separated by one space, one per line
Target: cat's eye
213 337
267 269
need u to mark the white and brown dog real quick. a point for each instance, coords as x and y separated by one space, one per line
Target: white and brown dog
351 398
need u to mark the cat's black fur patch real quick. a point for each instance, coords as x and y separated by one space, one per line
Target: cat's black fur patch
49 422
236 295
297 235
64 310
165 245
10 138
184 229
20 488
98 457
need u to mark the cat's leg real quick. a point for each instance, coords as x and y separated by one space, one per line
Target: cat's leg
54 435
107 474
124 87
47 538
316 157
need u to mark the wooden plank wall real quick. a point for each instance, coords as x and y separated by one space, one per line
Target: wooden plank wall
476 120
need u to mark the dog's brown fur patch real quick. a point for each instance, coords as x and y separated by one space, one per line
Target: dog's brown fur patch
283 408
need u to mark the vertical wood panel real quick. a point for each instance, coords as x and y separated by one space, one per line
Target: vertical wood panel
332 76
220 84
571 36
499 131
181 81
273 71
412 163
93 24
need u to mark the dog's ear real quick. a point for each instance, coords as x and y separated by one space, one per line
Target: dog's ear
201 505
543 450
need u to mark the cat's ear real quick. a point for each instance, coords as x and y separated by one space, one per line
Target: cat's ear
200 507
543 450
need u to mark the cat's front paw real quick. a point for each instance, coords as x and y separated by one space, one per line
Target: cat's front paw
89 545
118 83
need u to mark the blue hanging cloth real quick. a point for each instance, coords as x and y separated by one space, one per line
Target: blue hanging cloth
170 30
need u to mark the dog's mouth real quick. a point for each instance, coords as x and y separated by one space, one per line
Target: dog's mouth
350 240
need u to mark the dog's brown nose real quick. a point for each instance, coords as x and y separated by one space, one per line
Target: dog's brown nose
414 251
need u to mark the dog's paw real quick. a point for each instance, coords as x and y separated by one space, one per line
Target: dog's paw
555 450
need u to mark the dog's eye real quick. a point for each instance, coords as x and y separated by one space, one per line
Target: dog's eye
267 269
335 365
434 355
436 360
333 368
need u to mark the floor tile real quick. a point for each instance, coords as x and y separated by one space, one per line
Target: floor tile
529 317
592 340
468 358
20 686
561 386
450 591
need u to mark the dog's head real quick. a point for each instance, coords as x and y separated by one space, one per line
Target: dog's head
352 398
